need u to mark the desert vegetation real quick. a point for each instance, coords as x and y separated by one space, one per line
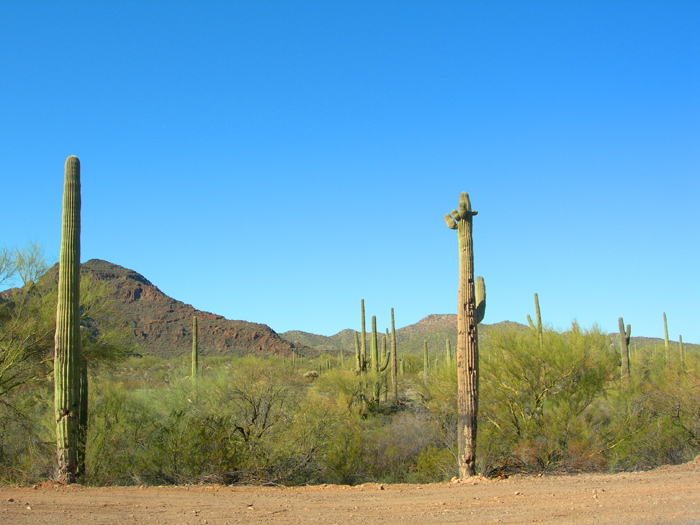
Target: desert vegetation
77 403
549 402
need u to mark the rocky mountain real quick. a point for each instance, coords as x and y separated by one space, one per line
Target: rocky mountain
160 325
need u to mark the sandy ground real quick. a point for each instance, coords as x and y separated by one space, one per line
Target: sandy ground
669 495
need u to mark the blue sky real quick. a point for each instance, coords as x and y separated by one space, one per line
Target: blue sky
277 162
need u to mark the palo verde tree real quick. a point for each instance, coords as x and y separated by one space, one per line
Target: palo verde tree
67 360
471 306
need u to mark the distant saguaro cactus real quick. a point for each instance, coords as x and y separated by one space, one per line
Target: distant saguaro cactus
448 352
470 311
624 348
426 364
195 350
538 318
67 358
361 346
394 371
668 350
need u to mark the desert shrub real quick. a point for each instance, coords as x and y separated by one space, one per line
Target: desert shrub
539 400
656 419
27 445
434 464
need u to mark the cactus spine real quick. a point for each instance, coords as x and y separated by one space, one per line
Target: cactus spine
67 358
195 350
470 311
624 348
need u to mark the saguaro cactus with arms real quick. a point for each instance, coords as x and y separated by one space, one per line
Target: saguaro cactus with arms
471 306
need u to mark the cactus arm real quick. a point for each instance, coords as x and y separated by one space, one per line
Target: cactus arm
451 224
529 322
383 366
480 293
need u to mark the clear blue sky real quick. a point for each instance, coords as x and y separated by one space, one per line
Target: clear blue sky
277 162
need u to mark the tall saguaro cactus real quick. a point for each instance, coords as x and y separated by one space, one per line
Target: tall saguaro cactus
470 312
67 359
624 348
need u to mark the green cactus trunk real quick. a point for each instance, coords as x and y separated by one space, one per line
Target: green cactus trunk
682 350
374 349
394 371
374 363
624 348
538 318
469 314
448 352
363 342
195 350
67 358
82 418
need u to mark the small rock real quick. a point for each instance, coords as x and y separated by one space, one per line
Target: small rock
10 500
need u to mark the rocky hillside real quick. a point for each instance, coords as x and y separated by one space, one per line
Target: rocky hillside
160 325
435 329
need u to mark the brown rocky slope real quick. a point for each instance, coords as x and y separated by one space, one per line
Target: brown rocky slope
160 325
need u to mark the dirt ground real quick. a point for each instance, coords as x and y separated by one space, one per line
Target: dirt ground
669 495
